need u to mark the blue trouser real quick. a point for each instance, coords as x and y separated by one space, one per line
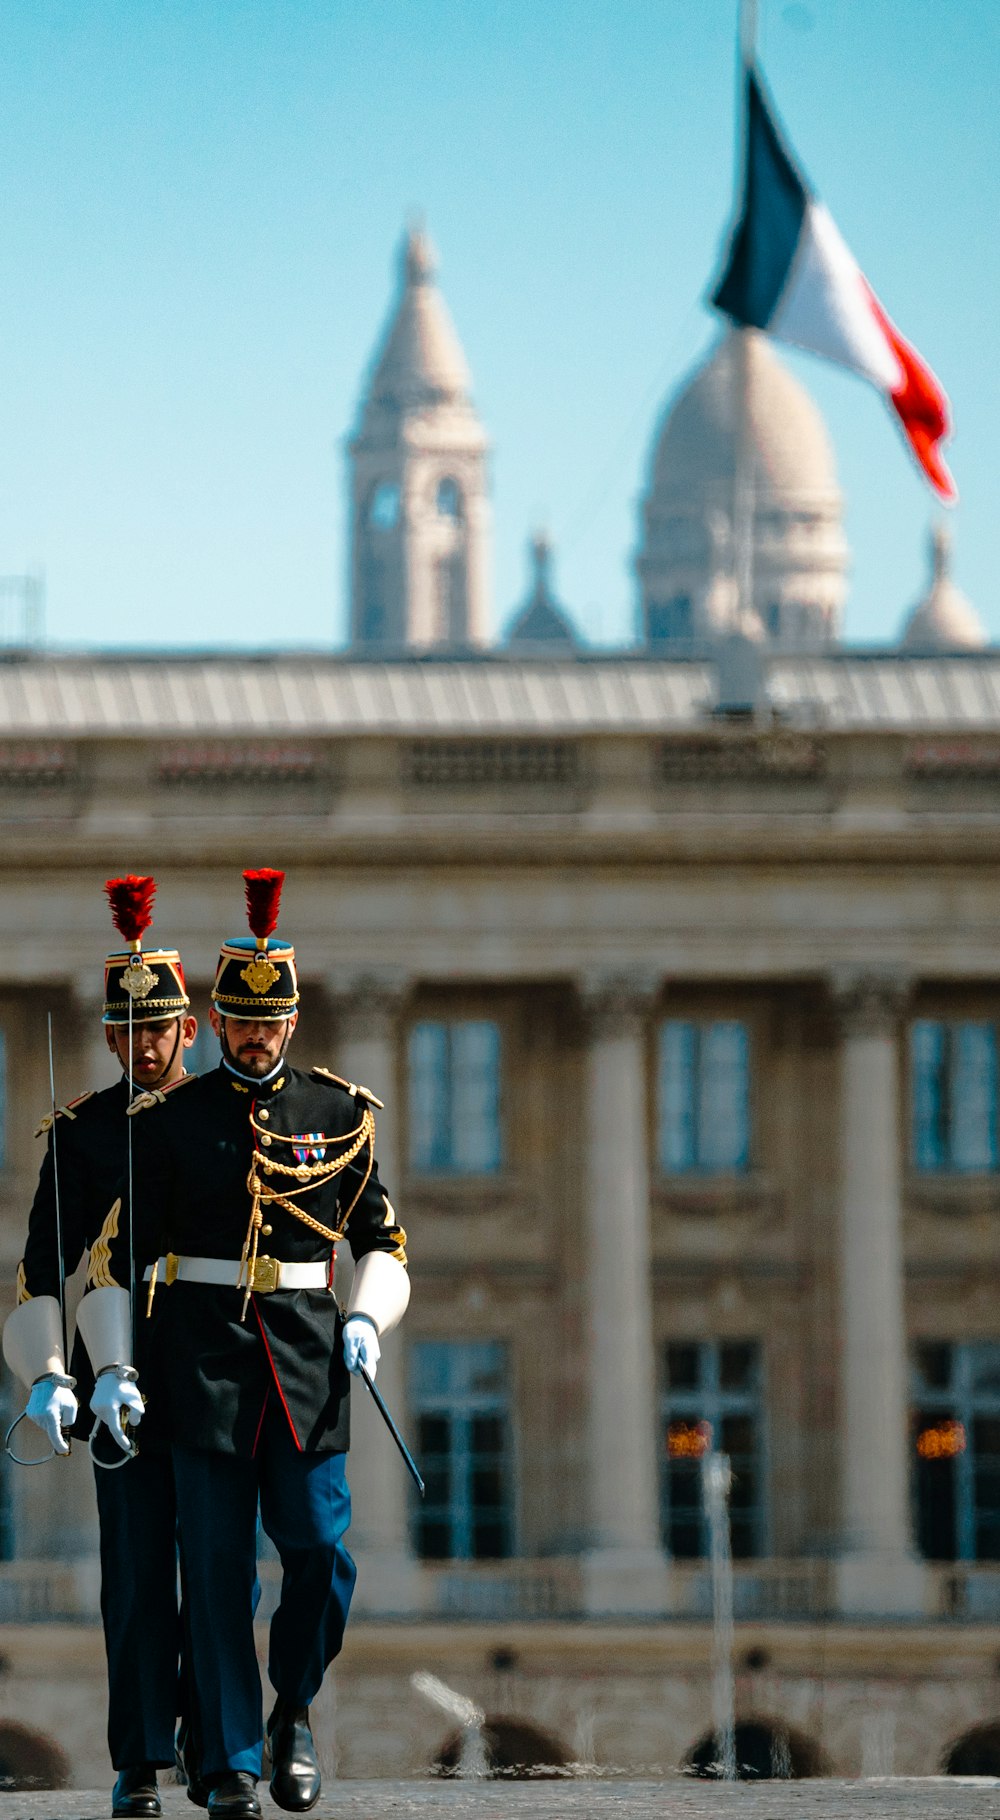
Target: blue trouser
305 1508
139 1608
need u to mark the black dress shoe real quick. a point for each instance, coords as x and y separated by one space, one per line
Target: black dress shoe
234 1797
295 1779
188 1769
134 1794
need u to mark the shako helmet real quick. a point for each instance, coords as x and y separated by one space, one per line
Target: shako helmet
256 977
149 981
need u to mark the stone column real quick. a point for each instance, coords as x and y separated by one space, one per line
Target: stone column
97 1066
877 1572
366 1009
624 1569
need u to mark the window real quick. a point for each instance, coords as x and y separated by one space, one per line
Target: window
462 1413
11 1405
670 621
449 499
953 1101
956 1434
3 1099
712 1399
704 1097
455 1098
383 509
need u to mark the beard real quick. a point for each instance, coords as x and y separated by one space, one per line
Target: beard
254 1061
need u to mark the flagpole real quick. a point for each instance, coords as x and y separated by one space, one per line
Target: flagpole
743 466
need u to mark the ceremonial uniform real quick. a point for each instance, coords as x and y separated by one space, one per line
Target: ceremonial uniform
135 1506
81 1178
244 1188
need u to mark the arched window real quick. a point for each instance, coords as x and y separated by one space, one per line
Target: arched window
449 499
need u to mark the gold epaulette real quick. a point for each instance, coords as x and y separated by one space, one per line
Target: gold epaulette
63 1112
155 1096
356 1091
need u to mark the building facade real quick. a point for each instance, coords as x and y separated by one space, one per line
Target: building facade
686 1025
678 970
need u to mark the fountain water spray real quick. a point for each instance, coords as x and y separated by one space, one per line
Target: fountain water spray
472 1760
716 1481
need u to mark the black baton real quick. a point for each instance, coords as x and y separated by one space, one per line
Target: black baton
380 1404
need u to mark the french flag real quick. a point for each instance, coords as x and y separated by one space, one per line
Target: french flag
790 274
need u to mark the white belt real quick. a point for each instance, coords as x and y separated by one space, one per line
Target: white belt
269 1273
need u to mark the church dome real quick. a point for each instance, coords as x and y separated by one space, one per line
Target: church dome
688 561
695 449
944 620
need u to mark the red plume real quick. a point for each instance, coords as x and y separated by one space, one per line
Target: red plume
263 898
131 901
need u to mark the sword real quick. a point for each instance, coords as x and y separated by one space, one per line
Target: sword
381 1406
133 1446
55 1186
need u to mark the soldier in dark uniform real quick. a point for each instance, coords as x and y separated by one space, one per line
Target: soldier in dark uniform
136 1507
247 1182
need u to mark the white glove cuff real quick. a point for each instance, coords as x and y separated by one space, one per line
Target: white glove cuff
32 1340
381 1290
104 1319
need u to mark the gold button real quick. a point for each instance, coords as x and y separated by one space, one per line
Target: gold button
265 1138
263 1113
266 1231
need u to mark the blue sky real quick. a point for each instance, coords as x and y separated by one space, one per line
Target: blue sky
199 211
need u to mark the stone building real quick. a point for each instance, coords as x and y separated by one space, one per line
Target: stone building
684 1004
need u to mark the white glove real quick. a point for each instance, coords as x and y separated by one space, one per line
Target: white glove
112 1396
361 1345
52 1407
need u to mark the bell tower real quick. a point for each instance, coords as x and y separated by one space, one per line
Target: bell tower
418 481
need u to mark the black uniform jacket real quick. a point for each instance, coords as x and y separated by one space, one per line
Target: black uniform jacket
211 1369
91 1137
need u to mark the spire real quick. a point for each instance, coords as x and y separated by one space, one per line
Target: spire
418 477
541 625
540 549
419 361
943 620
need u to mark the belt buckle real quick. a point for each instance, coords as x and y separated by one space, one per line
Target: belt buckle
266 1275
171 1266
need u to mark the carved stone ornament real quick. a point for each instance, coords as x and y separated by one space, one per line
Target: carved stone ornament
367 1004
616 1002
750 756
870 1002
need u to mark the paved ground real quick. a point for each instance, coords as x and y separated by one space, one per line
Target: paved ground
945 1798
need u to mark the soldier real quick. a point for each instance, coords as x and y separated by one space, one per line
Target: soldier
250 1353
135 1507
